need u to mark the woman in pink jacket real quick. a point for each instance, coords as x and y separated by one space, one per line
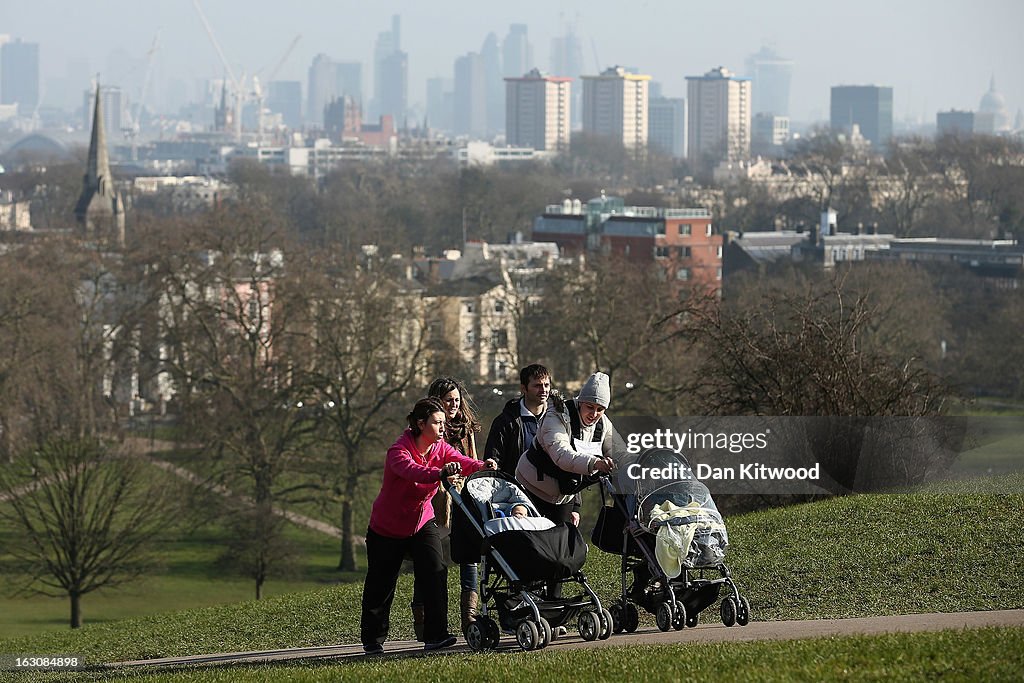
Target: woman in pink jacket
402 523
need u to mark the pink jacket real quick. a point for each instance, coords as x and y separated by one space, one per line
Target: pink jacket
403 505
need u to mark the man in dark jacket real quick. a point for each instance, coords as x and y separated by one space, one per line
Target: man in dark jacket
513 430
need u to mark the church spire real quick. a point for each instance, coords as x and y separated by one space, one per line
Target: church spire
99 211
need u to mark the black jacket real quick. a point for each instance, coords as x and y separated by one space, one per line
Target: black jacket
505 440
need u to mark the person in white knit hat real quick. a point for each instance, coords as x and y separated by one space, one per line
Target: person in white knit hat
572 446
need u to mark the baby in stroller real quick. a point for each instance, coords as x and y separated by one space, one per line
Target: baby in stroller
670 536
519 553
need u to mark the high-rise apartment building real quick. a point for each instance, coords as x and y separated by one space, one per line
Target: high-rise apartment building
537 111
19 75
771 76
615 106
719 115
867 106
666 125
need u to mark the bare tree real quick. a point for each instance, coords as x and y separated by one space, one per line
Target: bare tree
230 313
807 352
365 351
83 517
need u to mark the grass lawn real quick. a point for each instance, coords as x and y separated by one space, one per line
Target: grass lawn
187 577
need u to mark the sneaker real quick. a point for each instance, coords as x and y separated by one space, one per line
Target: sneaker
373 649
559 631
447 641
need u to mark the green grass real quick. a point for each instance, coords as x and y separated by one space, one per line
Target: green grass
991 654
187 577
952 549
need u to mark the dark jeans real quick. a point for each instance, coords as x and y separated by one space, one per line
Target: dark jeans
383 562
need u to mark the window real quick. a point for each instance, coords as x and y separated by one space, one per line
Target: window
469 307
707 230
683 252
659 229
499 306
661 252
499 339
683 274
684 228
718 252
470 338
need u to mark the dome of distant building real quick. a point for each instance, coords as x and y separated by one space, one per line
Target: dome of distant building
993 103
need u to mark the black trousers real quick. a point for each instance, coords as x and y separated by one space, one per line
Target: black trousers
384 562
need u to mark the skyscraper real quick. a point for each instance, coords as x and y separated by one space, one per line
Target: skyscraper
615 106
537 111
666 125
113 109
567 60
493 86
516 52
771 76
285 98
328 80
390 74
470 96
867 106
19 75
719 115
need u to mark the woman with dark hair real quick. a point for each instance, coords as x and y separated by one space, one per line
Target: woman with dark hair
460 430
402 523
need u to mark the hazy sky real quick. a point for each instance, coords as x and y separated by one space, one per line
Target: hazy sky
936 55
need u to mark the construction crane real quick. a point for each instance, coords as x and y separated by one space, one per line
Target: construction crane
236 83
131 131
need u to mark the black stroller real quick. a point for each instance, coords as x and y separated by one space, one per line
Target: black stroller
521 558
655 522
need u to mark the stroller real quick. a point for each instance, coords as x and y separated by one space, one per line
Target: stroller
521 560
671 537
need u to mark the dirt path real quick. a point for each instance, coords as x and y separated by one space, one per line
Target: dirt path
145 448
704 633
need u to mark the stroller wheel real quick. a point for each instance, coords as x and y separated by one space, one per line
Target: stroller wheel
527 635
663 616
545 633
618 617
589 625
476 637
631 618
691 620
492 633
607 625
743 613
728 611
679 616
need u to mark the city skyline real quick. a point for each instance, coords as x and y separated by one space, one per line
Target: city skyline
935 59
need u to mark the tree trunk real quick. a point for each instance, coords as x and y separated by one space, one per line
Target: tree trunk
259 589
348 535
76 610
